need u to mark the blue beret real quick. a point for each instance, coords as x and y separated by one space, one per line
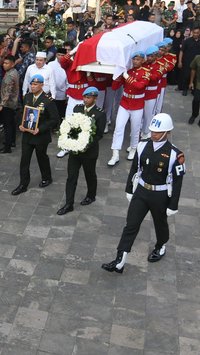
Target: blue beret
161 44
167 40
138 54
37 78
91 91
152 50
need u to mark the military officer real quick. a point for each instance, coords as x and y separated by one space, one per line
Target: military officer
38 138
154 184
131 106
87 159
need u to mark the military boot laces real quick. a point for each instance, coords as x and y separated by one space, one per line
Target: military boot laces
116 265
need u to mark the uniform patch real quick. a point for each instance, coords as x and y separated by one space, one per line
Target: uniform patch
165 155
181 158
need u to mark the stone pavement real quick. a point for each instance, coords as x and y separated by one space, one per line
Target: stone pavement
54 297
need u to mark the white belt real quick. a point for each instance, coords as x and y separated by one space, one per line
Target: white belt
164 75
133 96
100 79
81 86
152 187
151 88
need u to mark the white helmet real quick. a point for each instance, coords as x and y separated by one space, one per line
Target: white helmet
162 122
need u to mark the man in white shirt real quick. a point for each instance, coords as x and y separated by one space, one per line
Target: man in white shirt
61 82
180 8
40 67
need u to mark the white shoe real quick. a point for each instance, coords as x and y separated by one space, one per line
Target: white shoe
131 154
128 149
106 128
115 158
62 153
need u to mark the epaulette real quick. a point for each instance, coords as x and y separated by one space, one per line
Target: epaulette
100 109
49 97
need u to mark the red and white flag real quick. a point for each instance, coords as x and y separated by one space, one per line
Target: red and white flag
115 48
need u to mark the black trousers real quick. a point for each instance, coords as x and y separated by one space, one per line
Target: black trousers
89 167
42 158
8 118
143 201
61 106
196 103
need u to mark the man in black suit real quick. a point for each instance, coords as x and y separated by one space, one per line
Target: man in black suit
39 138
88 158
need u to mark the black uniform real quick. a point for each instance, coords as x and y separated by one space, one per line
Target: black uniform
87 159
48 118
154 166
190 48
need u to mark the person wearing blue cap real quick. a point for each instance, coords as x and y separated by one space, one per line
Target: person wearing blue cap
151 92
36 137
88 158
168 60
131 106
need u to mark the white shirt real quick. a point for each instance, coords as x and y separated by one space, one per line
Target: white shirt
60 79
179 9
49 80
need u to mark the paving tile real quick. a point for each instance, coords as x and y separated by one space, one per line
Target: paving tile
57 344
154 341
80 277
128 337
189 346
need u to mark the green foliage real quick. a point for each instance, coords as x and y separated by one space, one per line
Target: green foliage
52 29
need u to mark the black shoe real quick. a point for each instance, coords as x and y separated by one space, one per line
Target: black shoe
184 93
5 150
45 183
156 254
65 209
191 120
87 201
19 189
112 265
13 145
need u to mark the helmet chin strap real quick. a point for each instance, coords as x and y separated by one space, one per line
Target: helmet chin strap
161 138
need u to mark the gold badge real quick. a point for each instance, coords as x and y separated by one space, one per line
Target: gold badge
161 163
159 170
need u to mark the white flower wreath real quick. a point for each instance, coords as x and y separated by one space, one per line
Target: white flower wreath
76 132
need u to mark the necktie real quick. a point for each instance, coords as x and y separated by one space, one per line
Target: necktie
34 99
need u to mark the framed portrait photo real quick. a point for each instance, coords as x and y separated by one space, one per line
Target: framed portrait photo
30 118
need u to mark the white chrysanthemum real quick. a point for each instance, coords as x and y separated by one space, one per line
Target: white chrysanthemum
75 121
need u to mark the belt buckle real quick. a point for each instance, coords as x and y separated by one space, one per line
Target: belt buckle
129 96
148 186
78 87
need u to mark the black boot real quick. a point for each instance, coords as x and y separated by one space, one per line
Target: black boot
191 120
156 254
112 266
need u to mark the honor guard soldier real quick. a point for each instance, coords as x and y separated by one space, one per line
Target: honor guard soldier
75 89
131 106
88 158
154 184
151 91
169 61
38 138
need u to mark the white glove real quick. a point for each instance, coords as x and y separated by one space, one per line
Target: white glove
171 212
129 197
125 75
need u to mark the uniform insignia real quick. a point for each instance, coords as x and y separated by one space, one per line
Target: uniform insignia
165 155
181 158
161 163
159 170
41 106
147 161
